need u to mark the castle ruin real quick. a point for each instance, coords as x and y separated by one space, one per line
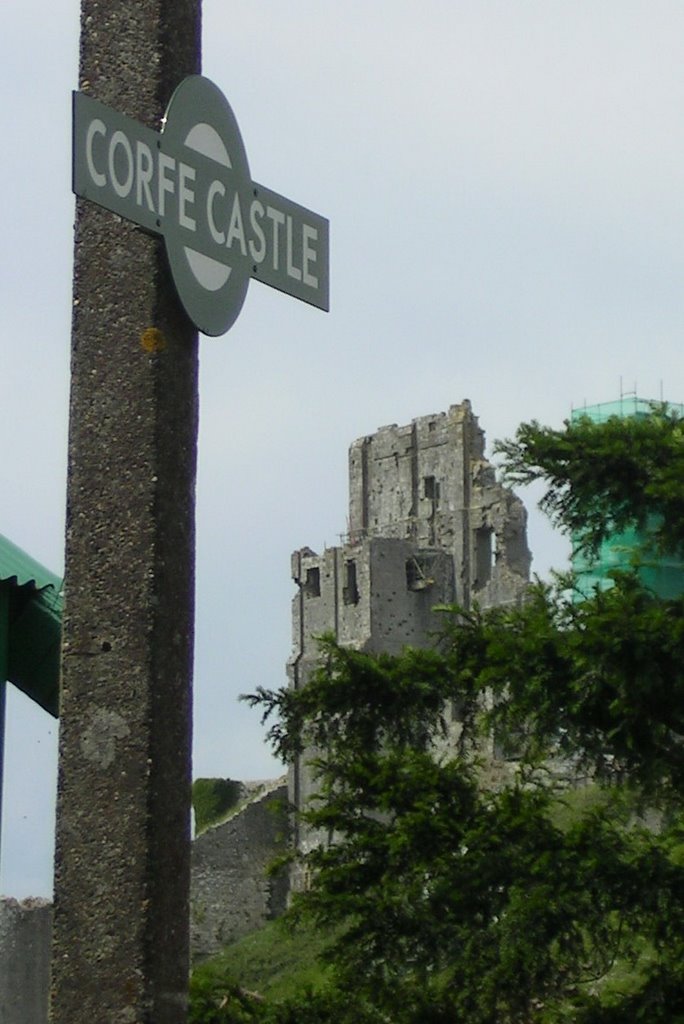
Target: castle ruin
428 524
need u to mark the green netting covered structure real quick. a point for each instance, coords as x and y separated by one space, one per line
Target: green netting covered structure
30 626
30 632
661 573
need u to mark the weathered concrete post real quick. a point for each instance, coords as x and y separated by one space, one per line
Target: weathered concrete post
120 949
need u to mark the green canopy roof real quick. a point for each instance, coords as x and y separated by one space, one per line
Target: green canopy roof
34 625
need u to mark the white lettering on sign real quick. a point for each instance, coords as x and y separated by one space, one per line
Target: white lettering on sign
121 187
186 196
292 271
166 187
96 127
236 228
217 188
257 250
309 234
277 218
144 169
191 184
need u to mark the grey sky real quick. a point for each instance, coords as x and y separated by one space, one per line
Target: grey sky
503 181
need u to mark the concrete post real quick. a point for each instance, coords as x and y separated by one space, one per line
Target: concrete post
120 951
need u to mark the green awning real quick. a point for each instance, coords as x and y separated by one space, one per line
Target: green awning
34 627
19 567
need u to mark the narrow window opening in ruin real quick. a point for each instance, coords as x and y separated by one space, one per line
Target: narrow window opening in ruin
508 745
312 586
431 489
485 554
350 591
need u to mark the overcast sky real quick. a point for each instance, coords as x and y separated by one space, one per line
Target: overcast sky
504 184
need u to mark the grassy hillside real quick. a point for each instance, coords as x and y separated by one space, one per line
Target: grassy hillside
274 963
252 980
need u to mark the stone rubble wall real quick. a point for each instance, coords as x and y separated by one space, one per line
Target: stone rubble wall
231 893
25 940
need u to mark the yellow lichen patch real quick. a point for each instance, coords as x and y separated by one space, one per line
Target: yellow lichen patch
152 340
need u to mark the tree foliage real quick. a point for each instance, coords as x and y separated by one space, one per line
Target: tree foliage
599 681
605 477
514 902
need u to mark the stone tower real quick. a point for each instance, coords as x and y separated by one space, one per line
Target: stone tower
428 524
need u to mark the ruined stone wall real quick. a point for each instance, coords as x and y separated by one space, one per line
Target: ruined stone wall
231 893
25 938
428 524
429 482
405 584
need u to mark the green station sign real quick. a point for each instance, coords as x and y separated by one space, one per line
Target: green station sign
191 184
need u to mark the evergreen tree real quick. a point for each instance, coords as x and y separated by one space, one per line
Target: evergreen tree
530 900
